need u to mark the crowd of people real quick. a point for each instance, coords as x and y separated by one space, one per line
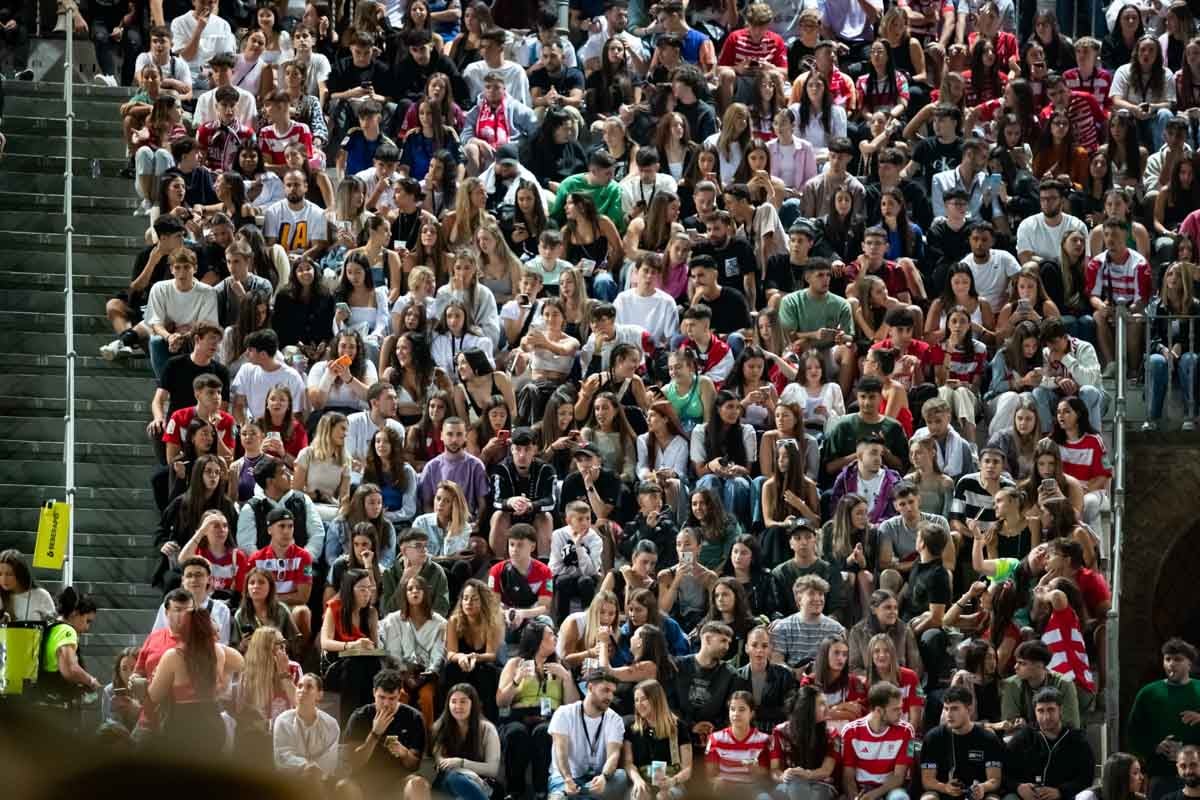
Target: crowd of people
708 382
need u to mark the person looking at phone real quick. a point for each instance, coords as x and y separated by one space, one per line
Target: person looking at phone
384 740
522 492
961 758
356 81
1049 758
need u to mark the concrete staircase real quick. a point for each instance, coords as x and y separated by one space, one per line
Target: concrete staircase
115 512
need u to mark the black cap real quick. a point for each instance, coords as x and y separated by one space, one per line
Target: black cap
508 154
588 449
522 436
278 514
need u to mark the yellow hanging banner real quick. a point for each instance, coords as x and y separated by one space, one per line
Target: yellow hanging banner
51 548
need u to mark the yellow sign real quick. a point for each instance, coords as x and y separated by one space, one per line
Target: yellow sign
51 546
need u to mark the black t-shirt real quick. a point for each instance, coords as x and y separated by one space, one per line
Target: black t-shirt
734 258
382 770
968 756
796 55
346 75
783 275
933 156
608 486
565 82
729 311
704 692
929 583
701 118
177 380
647 747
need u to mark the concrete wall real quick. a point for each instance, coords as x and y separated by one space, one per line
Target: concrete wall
1161 556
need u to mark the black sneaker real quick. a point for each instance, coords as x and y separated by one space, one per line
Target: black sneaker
129 338
127 172
24 75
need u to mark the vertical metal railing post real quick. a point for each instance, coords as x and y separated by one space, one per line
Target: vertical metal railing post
1112 665
69 299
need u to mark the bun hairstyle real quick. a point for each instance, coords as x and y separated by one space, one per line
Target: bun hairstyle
70 601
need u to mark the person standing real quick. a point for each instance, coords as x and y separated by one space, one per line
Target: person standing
1163 719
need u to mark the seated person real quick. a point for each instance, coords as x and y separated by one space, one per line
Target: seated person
1048 753
384 741
871 770
704 682
1031 675
961 754
866 476
576 559
794 639
524 585
291 564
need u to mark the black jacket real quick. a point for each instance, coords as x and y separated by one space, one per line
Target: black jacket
1067 764
411 78
1188 336
538 487
662 534
776 696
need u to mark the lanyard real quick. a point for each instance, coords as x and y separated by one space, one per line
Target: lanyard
592 745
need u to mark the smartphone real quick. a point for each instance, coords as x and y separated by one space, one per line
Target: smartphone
1048 485
120 693
274 435
522 299
687 558
344 307
587 267
345 361
1024 305
504 434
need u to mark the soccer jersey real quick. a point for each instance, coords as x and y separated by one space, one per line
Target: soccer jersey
292 570
178 422
1068 651
1121 283
539 577
1085 458
1097 84
735 758
872 755
295 229
229 571
273 143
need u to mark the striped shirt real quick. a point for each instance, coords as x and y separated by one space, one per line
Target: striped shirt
1068 652
769 49
1085 458
735 758
964 366
1087 117
1120 283
877 95
1097 84
273 143
873 756
970 498
797 640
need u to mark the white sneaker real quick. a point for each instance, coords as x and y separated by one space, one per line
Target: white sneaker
1149 426
143 209
105 80
1110 370
115 350
1188 426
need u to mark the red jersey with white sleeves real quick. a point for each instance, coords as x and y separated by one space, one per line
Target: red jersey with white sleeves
769 49
873 756
539 578
228 571
177 425
780 747
1097 84
912 699
292 570
1068 651
1085 458
1119 282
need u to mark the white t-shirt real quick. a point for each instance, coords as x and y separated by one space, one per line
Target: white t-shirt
657 313
169 305
295 229
991 277
254 383
361 433
516 82
370 177
1127 89
1034 235
319 70
766 221
217 38
246 109
580 730
176 69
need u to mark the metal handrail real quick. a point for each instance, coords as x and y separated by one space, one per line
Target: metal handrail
69 300
1112 666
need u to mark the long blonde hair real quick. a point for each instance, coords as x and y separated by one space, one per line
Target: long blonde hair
1181 302
458 234
323 448
502 253
257 688
593 615
459 513
727 138
580 302
665 722
489 610
873 675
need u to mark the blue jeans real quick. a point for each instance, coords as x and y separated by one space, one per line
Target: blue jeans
456 783
1158 380
1154 129
805 790
1048 398
616 786
735 493
1081 327
160 354
604 286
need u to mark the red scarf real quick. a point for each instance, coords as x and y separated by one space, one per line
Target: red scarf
492 125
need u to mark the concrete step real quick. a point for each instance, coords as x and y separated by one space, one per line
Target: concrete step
98 261
127 455
52 245
50 428
126 387
23 516
135 622
86 474
85 365
52 182
46 322
122 204
105 570
18 124
51 344
80 90
23 494
87 544
53 142
86 222
44 164
53 108
113 594
88 300
57 406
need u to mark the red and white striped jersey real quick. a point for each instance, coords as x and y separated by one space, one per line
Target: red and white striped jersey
273 143
735 757
875 755
1068 651
1085 458
1119 282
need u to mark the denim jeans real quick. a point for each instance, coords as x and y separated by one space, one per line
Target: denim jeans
1081 327
148 161
457 783
1048 398
160 354
1153 130
805 790
1158 380
604 286
735 493
616 786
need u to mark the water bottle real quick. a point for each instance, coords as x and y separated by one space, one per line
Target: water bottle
95 168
